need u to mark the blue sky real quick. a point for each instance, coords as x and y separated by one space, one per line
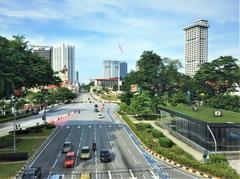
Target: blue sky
96 27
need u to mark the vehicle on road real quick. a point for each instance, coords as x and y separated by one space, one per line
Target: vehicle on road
56 176
85 153
96 110
96 106
69 160
105 155
85 176
32 173
100 116
67 147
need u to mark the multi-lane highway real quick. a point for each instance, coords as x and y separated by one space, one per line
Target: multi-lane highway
129 159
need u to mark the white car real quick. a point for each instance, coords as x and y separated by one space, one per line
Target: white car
100 116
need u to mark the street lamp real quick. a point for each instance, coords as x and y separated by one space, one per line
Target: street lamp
214 139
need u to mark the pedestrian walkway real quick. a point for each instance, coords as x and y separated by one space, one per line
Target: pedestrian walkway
196 154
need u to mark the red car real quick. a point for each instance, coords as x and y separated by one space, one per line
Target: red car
69 160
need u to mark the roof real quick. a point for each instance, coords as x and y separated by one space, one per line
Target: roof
85 147
70 154
198 23
107 79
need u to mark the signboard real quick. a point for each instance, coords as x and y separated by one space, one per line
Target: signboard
134 88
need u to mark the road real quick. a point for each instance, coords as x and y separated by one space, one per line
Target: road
130 160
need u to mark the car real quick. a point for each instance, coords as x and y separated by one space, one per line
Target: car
96 110
69 160
32 173
85 153
56 176
96 106
67 147
85 176
100 116
105 155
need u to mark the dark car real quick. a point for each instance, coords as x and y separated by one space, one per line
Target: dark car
67 147
32 173
96 106
96 110
105 155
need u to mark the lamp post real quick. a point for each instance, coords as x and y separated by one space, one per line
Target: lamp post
214 139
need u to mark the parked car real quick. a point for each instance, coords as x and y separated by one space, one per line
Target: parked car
105 155
85 153
67 147
32 173
69 160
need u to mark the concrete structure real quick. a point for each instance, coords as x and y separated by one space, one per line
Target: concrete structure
114 69
196 46
44 52
64 56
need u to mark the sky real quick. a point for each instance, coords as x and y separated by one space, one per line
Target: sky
96 27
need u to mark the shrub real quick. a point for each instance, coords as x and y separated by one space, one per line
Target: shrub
14 156
143 126
156 133
217 158
50 126
165 142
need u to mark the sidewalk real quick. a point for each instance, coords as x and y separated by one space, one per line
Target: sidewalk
196 154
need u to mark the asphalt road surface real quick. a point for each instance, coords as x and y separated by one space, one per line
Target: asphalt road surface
129 159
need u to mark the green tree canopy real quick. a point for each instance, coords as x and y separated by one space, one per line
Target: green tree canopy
20 68
218 76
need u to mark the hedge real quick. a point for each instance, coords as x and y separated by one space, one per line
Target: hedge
156 133
143 126
165 142
13 156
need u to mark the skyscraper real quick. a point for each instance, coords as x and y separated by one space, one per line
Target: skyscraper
64 56
196 46
44 52
114 69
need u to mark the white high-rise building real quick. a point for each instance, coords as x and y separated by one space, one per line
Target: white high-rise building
64 56
196 46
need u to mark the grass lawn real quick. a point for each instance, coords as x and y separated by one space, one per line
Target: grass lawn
206 114
27 143
112 97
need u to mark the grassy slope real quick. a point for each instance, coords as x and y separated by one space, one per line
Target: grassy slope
206 114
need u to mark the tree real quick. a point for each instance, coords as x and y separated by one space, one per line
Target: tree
141 104
151 67
21 69
64 94
218 76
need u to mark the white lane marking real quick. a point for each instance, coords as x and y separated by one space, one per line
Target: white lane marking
109 175
132 176
49 174
132 155
96 173
80 141
45 146
55 163
59 154
154 175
